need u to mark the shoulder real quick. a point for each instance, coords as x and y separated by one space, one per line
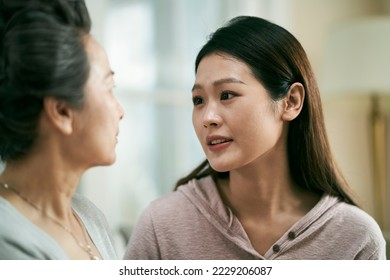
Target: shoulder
173 214
177 208
168 222
187 198
83 206
11 221
359 229
334 212
21 239
159 219
91 215
166 207
350 215
96 225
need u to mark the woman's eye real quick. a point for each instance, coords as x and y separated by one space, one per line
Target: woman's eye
197 100
226 95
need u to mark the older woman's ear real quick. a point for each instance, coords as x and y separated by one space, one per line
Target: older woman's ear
58 114
293 102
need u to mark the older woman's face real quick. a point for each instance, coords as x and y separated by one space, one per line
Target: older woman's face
97 122
233 115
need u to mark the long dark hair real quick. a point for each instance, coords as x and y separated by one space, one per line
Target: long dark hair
42 53
278 60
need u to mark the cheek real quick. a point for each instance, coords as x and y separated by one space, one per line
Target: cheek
256 125
105 103
195 122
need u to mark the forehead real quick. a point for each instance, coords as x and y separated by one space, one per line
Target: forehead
97 56
222 64
216 66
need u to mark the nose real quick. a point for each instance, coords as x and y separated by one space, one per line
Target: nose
211 117
121 111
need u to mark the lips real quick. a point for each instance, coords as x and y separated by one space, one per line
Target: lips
217 140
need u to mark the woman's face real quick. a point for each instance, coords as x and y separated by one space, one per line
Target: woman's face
97 122
235 120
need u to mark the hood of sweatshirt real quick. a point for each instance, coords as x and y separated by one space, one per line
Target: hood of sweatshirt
204 195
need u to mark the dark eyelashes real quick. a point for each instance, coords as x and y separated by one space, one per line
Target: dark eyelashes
224 95
227 95
196 100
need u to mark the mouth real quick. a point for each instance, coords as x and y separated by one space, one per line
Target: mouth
217 140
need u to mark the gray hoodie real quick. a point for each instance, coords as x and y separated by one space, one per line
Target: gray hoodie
193 223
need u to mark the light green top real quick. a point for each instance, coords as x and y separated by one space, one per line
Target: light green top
20 239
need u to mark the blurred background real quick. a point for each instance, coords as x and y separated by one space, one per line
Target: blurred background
152 46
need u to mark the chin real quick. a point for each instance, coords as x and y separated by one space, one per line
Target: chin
111 161
220 167
108 161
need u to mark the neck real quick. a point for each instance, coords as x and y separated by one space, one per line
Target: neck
263 189
47 184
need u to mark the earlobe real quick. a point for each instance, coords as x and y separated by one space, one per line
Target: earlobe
293 102
59 114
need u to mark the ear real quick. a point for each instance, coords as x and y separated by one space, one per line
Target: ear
293 102
59 114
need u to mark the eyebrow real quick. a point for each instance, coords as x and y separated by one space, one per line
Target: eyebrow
219 82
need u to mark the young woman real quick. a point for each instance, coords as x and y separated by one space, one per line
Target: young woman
58 117
269 188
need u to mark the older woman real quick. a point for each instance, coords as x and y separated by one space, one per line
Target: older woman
58 117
